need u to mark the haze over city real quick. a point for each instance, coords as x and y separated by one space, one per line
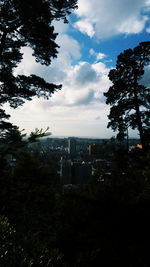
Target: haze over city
89 45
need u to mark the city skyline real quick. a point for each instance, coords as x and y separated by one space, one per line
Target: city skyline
97 32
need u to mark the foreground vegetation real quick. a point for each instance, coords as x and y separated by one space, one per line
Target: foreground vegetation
94 225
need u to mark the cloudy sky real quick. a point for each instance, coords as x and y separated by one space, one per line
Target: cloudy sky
97 32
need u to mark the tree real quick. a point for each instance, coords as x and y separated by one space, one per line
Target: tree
10 250
27 23
128 97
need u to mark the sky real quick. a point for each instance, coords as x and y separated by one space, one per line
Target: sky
97 32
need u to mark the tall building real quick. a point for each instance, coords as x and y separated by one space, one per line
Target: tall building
65 171
75 172
72 146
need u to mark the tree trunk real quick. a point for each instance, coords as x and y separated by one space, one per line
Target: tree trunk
137 109
2 42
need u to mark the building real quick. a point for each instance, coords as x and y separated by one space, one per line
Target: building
72 146
75 172
65 171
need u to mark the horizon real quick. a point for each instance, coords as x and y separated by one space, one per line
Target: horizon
86 137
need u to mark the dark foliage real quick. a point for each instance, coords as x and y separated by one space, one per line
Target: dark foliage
94 225
27 23
129 99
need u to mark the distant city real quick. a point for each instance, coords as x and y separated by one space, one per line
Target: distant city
80 160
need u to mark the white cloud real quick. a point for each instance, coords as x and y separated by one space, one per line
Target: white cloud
148 30
92 52
84 74
107 18
79 108
69 47
85 26
133 25
60 27
28 64
71 111
79 97
69 50
99 56
83 83
147 4
63 120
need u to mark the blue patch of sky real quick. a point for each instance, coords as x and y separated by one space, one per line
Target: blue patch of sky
111 47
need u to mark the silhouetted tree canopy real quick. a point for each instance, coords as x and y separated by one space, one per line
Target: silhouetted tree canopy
28 23
128 97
